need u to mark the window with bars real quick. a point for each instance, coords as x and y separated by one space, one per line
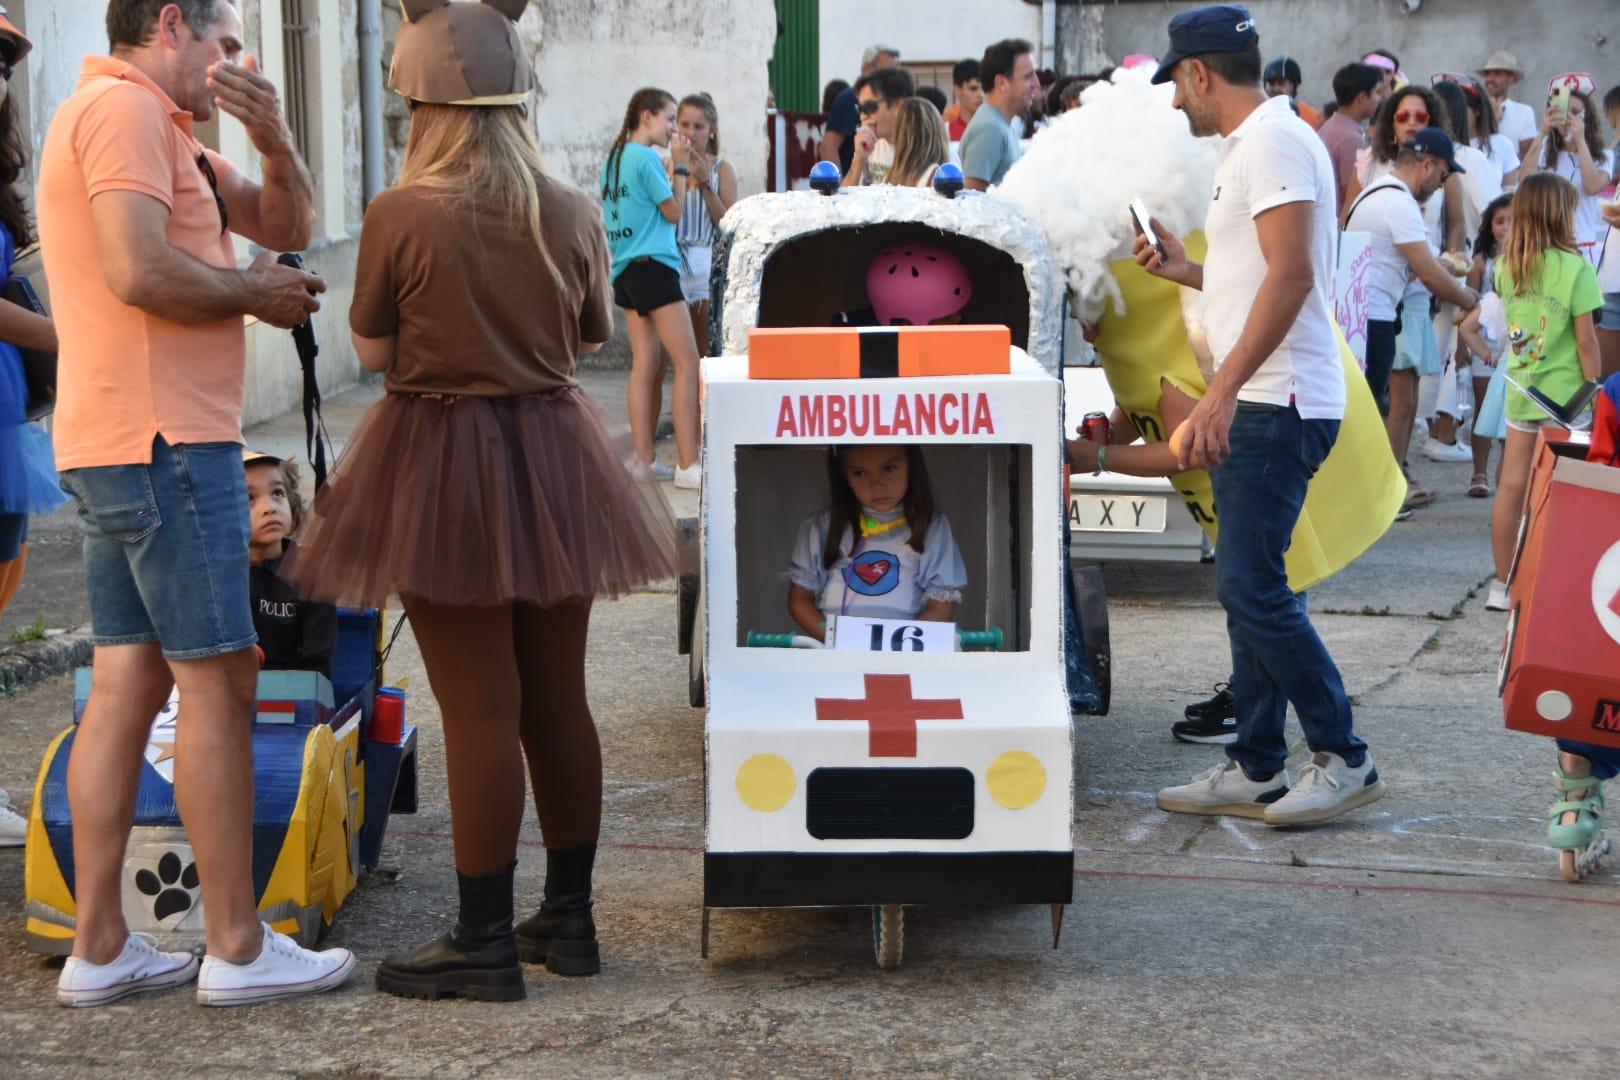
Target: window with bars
931 73
297 39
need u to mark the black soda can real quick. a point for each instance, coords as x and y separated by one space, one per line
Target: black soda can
1094 427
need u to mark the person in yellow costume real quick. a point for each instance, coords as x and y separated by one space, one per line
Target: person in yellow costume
1156 380
1076 182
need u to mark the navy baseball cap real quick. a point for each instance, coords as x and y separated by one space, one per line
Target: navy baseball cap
1219 28
1435 143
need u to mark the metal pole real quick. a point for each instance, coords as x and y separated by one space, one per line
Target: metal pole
371 118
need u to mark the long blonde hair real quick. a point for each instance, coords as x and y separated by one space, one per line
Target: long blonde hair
483 157
1543 220
920 142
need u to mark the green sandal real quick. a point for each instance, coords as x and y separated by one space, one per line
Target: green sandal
1588 811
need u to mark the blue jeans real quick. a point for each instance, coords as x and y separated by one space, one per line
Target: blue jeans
1277 656
166 550
1605 759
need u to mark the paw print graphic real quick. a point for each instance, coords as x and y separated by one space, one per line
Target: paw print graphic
173 887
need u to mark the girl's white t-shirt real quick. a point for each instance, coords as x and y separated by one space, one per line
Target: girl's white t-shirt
1589 224
1503 154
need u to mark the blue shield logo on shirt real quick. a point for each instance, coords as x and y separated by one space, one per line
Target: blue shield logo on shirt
872 573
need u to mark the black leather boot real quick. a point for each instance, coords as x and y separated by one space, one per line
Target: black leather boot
562 934
477 959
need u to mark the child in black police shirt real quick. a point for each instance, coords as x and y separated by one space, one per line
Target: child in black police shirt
294 634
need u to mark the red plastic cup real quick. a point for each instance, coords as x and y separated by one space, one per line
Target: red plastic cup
388 716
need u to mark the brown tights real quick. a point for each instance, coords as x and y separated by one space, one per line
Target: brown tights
11 575
505 676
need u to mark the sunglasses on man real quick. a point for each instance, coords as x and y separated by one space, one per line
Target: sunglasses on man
869 107
213 185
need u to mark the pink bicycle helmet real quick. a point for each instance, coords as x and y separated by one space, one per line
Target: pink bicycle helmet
916 284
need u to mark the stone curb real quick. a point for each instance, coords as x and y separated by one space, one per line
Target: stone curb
25 663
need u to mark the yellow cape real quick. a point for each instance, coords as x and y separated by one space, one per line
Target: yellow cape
1352 499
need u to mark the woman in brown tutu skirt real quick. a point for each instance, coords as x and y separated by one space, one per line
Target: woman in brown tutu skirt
485 489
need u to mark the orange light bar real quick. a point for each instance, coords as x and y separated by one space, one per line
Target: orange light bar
877 352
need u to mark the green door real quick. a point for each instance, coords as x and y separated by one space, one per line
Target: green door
796 62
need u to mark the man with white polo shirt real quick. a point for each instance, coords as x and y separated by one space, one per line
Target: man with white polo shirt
1267 422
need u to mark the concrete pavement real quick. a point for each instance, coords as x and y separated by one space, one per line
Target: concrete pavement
1426 935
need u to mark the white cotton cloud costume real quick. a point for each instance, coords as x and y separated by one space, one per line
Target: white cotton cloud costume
1077 178
1076 182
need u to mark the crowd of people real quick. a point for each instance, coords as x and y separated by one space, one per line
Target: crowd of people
1488 230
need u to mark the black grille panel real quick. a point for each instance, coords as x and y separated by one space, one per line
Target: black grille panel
889 804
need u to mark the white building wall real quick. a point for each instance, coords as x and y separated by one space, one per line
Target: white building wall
931 30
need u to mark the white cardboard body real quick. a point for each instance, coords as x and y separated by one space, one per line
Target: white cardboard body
763 701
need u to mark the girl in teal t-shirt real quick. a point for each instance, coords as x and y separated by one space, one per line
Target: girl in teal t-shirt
640 206
1549 293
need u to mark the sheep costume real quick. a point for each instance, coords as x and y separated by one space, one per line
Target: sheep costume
1076 181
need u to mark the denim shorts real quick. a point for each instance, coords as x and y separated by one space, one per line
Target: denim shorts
166 550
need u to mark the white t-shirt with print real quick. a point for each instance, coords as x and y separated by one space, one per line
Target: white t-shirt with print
1388 214
1272 159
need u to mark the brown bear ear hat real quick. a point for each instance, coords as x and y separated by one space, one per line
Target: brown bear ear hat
461 53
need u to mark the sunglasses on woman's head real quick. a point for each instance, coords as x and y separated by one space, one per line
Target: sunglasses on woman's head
1403 115
869 107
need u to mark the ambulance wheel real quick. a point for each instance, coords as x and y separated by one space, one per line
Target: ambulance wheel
695 695
888 934
1092 595
686 596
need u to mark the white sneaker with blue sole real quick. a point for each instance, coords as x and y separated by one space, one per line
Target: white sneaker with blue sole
1224 790
1326 787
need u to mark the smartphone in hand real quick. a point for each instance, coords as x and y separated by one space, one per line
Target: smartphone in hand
1559 103
1144 226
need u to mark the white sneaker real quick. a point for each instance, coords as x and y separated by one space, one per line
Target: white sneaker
1420 433
283 968
1324 788
13 826
690 477
1224 790
138 968
1497 598
661 471
1435 450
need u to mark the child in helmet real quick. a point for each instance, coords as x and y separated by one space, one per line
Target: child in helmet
879 550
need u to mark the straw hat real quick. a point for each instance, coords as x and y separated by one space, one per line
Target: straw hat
1501 60
461 53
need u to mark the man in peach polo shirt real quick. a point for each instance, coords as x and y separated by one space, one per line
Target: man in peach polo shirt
134 220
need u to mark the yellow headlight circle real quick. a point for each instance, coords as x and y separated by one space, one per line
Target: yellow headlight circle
1016 779
765 782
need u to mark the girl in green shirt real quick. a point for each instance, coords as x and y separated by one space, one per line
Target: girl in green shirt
1549 293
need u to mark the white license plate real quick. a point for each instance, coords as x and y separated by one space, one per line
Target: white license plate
1117 513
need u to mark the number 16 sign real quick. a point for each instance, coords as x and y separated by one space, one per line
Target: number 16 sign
855 634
